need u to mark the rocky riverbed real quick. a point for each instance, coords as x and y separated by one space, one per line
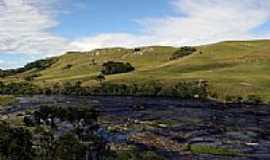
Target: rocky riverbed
174 129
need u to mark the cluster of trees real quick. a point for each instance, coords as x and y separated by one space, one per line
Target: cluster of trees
182 52
40 64
183 89
42 142
70 114
5 73
21 88
116 67
15 143
37 65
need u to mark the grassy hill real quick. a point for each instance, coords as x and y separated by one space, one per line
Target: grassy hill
231 67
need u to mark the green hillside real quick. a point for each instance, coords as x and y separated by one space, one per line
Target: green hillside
232 67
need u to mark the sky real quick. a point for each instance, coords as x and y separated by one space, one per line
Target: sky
34 29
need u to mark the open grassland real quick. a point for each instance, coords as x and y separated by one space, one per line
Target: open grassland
237 68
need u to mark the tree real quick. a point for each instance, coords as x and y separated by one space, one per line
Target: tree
182 52
116 67
69 148
15 143
93 62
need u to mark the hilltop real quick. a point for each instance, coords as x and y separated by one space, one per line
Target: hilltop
232 68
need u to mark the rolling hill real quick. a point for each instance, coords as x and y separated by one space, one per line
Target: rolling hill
231 67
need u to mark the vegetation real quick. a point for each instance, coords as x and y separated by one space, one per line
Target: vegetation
232 68
40 64
31 77
182 52
70 114
15 143
68 66
36 66
250 99
100 78
53 133
203 149
116 67
20 88
5 100
185 90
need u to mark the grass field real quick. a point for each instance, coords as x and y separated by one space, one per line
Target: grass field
232 67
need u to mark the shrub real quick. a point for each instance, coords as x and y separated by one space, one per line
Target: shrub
182 52
37 65
19 88
100 78
93 62
40 64
202 149
116 67
253 99
68 147
15 143
234 99
31 77
68 66
250 99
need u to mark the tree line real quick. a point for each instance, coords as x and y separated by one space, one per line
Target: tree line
183 89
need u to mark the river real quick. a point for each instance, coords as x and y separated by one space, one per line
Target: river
166 125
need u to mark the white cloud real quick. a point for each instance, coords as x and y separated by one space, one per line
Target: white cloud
112 40
25 26
198 21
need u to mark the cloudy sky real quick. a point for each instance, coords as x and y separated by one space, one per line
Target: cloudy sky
33 29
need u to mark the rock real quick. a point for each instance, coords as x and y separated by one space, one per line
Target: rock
163 125
252 144
4 117
203 141
136 121
196 96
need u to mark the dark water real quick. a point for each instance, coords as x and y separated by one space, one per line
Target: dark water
166 125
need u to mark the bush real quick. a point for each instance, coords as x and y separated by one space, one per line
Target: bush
68 147
253 99
68 66
234 99
182 52
15 143
37 65
20 88
201 149
100 78
31 77
250 99
116 67
70 114
185 90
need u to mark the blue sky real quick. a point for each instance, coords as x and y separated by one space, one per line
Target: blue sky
33 29
92 17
